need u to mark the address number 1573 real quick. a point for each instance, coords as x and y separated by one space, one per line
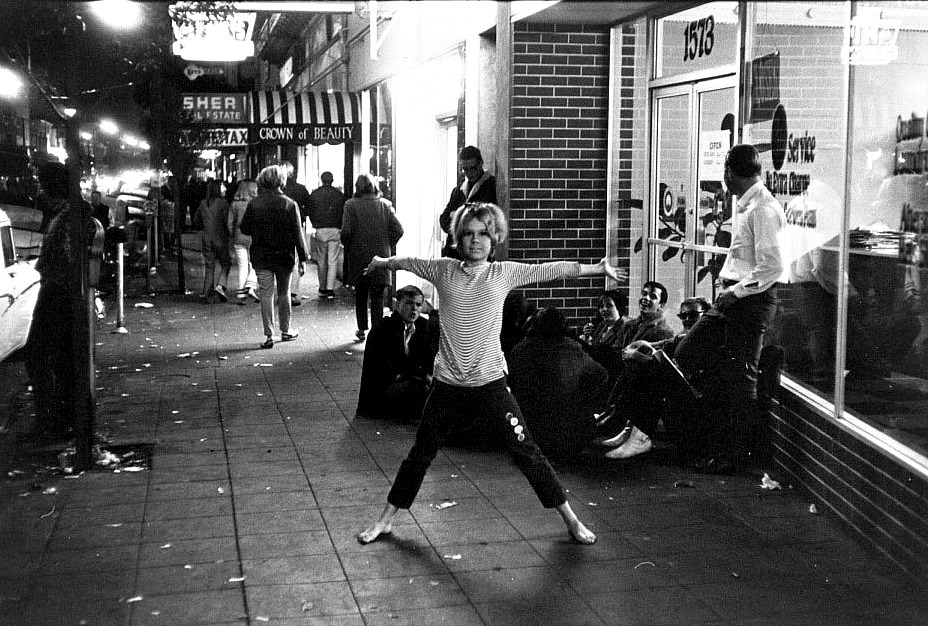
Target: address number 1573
698 38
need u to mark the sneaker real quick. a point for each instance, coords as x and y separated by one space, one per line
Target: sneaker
295 300
330 295
638 443
289 336
221 292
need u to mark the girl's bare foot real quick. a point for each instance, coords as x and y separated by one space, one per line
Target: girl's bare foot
581 533
575 527
383 526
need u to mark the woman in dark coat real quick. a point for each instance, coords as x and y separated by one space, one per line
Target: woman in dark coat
602 339
369 229
273 221
557 385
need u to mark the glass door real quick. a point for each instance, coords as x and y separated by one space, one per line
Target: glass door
691 217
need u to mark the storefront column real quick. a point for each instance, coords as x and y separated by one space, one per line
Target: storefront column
503 122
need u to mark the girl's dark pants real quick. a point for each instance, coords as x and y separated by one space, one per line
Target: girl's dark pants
448 406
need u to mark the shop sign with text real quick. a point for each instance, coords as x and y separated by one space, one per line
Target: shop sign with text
216 108
215 137
303 133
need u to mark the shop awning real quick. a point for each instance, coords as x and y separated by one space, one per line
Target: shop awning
282 116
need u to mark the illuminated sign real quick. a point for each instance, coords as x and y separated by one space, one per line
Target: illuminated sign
212 36
216 108
215 137
871 40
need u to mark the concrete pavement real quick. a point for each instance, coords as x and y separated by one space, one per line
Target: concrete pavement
259 475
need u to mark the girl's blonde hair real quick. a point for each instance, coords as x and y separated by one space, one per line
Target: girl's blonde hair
488 213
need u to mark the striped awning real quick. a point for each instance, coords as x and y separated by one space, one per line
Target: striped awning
282 116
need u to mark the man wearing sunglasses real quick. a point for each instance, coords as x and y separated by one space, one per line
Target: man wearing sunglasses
477 186
641 395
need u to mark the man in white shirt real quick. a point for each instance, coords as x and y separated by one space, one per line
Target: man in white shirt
721 353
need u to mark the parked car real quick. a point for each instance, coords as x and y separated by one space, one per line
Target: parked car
19 290
26 220
135 197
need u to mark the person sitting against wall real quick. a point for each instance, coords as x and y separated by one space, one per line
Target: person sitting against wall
602 336
398 361
557 385
648 391
517 312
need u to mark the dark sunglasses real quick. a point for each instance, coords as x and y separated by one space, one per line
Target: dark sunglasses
689 315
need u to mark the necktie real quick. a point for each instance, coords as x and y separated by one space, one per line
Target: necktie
410 329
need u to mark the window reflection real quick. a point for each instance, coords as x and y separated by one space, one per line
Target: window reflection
887 339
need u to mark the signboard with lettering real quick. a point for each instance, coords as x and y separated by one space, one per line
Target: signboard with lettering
713 146
216 108
765 86
215 137
315 134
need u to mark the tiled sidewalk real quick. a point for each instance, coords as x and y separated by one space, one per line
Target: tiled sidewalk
261 476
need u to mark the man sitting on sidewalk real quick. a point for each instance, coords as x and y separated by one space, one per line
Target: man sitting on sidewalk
643 394
398 361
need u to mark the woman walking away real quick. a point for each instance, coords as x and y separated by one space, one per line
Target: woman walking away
369 229
247 279
212 217
469 377
273 221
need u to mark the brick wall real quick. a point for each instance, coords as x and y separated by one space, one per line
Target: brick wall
558 158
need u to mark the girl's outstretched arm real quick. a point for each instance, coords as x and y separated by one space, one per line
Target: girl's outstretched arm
604 268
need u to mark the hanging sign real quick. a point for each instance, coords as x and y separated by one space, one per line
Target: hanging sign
713 146
215 137
216 108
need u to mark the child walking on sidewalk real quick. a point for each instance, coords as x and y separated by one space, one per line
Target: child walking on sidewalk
469 375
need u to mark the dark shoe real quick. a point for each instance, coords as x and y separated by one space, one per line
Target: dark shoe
253 295
268 343
360 334
295 300
289 336
330 295
221 293
603 418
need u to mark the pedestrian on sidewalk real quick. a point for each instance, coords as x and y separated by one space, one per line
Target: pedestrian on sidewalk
273 221
246 191
213 218
469 374
326 210
299 194
369 229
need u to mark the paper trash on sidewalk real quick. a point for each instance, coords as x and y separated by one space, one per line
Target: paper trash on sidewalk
768 483
445 505
143 305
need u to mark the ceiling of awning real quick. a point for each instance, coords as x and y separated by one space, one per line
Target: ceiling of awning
598 13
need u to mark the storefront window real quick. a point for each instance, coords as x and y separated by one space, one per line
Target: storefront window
795 103
887 337
700 38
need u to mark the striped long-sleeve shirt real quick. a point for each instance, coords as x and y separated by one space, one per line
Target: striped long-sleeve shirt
471 316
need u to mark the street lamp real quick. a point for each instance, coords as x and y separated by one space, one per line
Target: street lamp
11 85
109 127
120 14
